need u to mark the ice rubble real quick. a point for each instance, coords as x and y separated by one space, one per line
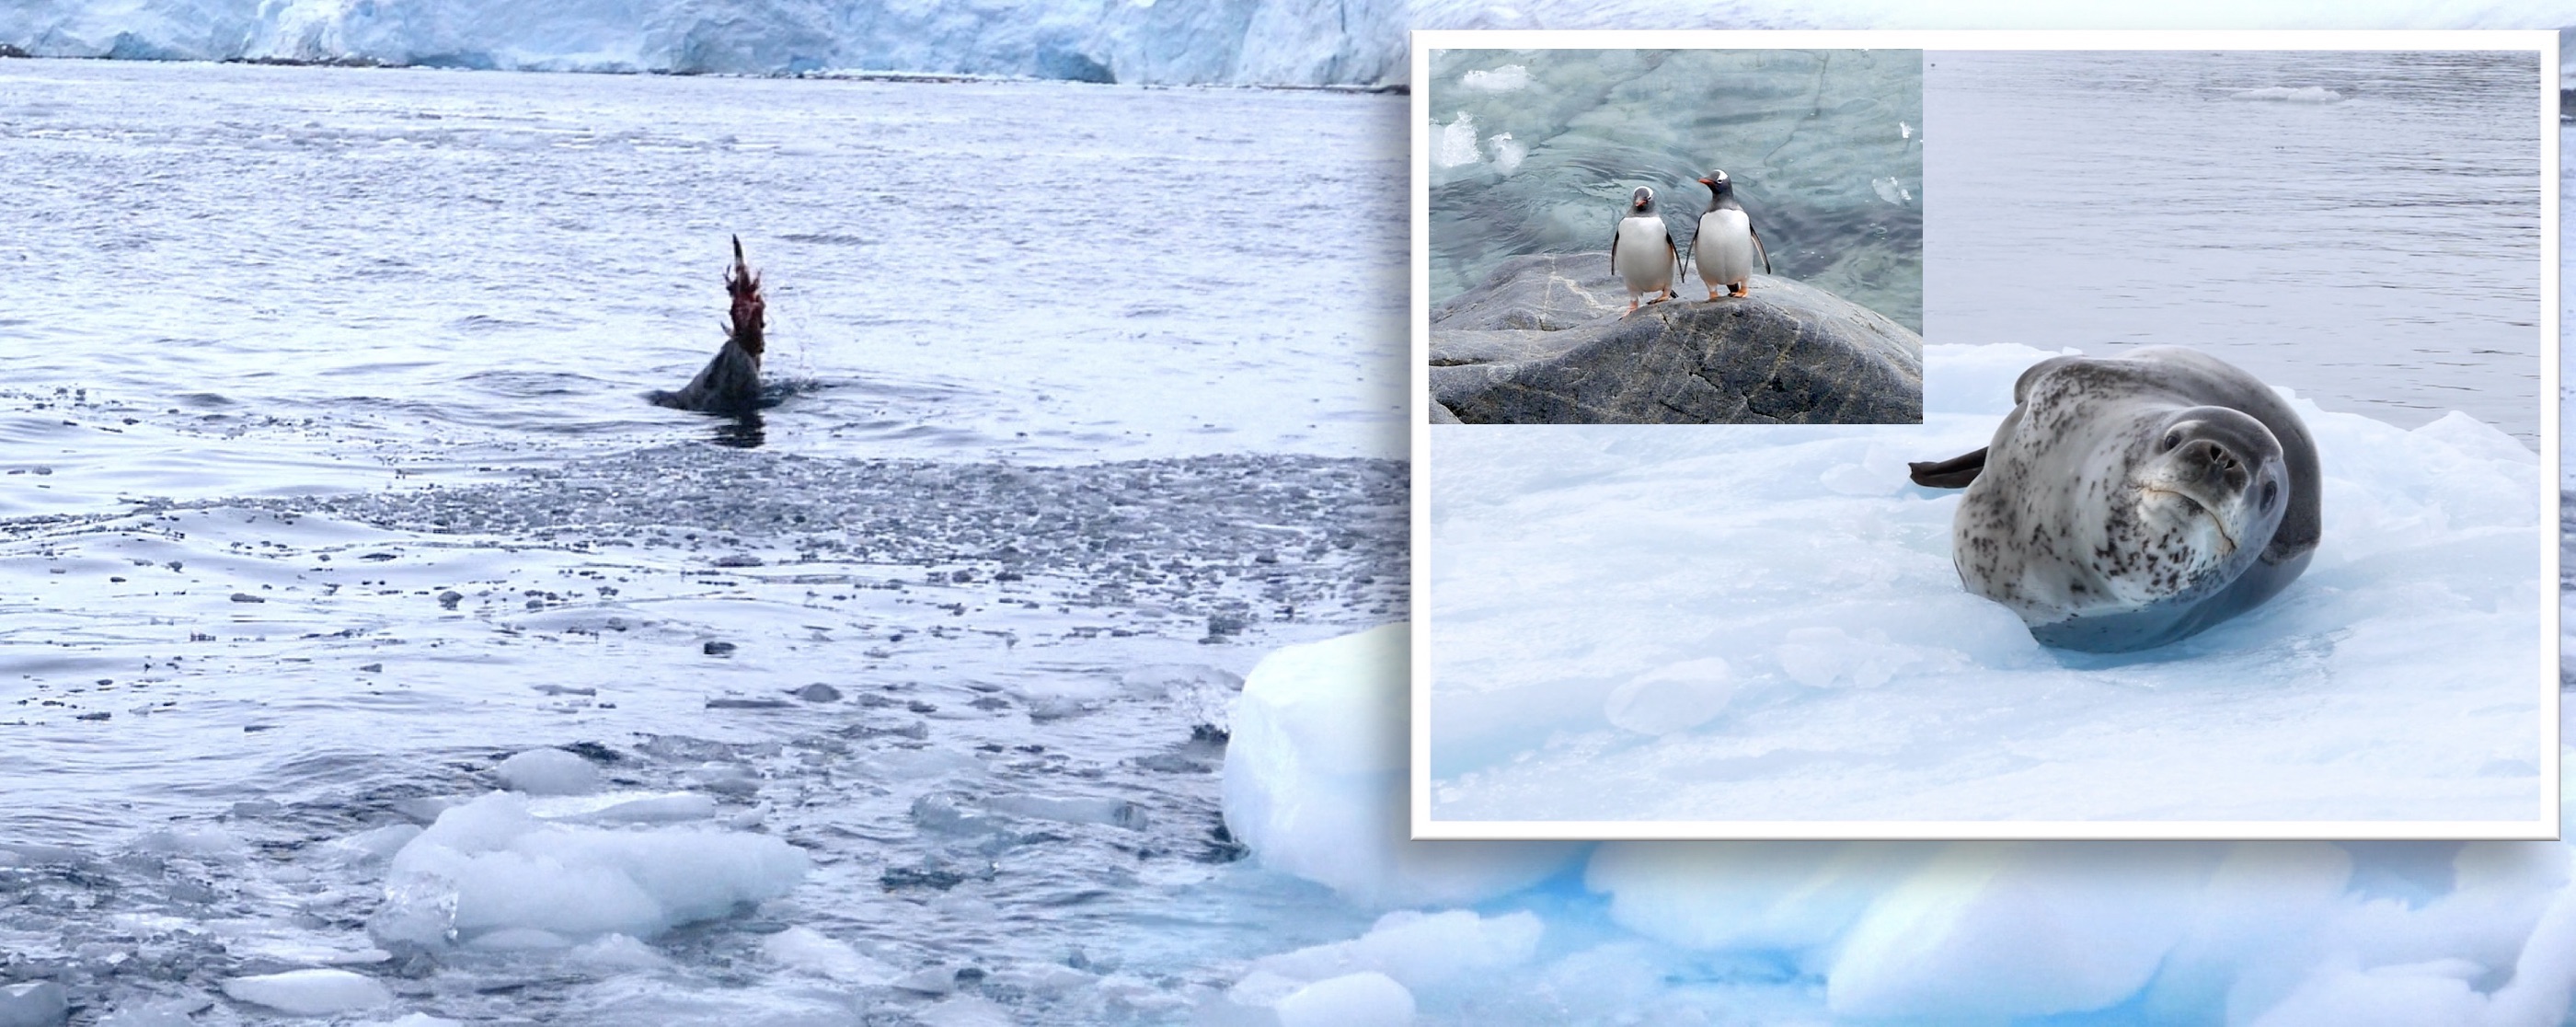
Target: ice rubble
495 873
1764 614
2281 934
1263 42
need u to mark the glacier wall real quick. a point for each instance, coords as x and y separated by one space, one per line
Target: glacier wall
1175 42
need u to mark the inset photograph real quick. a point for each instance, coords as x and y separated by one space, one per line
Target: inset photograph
2229 515
1675 236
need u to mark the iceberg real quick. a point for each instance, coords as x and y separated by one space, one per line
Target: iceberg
2101 933
1239 42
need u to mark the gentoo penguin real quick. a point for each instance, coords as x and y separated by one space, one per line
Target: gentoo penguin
1642 250
731 382
1726 245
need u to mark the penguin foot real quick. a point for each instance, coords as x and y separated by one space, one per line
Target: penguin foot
1712 293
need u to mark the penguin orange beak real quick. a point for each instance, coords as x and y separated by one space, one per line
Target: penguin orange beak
1709 183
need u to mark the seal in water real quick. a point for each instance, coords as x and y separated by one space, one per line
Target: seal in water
1642 250
731 382
1726 244
2131 501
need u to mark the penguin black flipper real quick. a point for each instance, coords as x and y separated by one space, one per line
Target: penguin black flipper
1614 249
1673 254
1757 246
1954 473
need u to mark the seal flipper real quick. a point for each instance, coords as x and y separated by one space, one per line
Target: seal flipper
1954 473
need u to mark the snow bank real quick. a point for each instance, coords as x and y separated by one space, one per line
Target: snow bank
2275 934
1632 623
492 870
1264 42
1314 781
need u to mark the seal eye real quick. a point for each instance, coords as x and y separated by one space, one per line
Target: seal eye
2172 439
2271 491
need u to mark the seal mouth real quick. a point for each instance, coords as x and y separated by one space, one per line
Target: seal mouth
2216 522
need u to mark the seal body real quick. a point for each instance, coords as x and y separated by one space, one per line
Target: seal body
730 383
1642 253
2132 501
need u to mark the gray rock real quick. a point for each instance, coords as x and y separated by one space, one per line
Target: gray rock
34 1004
1546 340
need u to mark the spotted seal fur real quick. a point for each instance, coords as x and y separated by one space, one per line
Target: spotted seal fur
2131 501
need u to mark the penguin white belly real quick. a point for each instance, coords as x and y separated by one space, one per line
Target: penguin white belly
1724 248
1645 255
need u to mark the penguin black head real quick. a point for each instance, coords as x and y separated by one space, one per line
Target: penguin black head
1642 201
1717 183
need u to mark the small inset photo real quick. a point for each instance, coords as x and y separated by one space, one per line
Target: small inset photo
1673 236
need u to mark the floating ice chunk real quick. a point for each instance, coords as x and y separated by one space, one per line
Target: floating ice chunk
206 841
519 939
1108 811
1904 131
966 1011
1508 152
1422 951
1364 999
310 992
617 952
549 772
1674 697
625 807
1454 145
2286 94
164 1013
809 950
372 844
34 1004
1993 932
1315 778
491 865
1504 79
1784 897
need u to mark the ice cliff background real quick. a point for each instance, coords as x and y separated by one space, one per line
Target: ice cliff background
1165 42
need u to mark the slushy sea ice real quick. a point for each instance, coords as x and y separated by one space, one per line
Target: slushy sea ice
2277 934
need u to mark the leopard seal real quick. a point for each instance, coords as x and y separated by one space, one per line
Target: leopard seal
2131 501
730 383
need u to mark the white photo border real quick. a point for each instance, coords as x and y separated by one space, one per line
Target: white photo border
2542 825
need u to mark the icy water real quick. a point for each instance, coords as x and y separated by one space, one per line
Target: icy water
328 484
2363 228
457 269
1536 152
